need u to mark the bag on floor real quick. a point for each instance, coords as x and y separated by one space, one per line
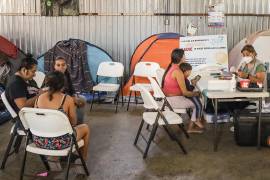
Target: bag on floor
246 128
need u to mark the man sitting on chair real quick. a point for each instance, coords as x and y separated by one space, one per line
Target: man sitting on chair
16 90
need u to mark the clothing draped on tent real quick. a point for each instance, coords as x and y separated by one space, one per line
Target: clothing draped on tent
75 53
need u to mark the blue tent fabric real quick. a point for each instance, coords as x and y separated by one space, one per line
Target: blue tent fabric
41 64
95 56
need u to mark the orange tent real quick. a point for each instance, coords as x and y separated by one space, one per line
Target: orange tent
156 48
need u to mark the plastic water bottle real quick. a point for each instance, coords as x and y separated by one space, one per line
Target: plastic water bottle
233 83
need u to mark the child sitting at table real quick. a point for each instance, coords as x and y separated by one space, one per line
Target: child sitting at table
186 69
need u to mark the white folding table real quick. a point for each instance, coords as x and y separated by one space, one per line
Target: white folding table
230 96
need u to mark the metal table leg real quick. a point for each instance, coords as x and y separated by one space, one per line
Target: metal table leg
215 124
259 124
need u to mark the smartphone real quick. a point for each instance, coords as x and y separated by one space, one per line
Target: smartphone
197 78
215 74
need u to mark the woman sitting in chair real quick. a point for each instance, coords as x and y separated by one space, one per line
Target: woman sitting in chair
60 64
55 99
174 87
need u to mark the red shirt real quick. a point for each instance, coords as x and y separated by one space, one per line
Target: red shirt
171 86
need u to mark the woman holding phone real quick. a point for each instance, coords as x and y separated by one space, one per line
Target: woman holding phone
174 87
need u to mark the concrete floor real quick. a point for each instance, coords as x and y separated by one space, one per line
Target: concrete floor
113 156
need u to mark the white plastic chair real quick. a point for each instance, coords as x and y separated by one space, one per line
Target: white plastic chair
142 69
17 131
39 78
113 70
158 94
49 123
157 118
159 75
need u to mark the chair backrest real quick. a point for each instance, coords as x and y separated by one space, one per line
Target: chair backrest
8 106
148 100
45 122
39 78
159 75
158 93
144 69
110 69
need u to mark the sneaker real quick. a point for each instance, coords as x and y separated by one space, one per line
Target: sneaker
43 174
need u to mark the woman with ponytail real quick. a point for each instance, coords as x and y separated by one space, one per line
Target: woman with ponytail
174 87
54 98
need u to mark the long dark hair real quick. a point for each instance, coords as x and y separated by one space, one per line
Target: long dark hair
176 57
55 81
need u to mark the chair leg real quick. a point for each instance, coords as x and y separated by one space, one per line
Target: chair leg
136 101
82 160
98 97
167 131
117 100
152 135
45 162
122 96
170 133
23 165
68 164
17 143
129 100
93 96
139 132
182 127
13 135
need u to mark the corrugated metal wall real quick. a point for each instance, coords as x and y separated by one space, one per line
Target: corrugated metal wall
119 34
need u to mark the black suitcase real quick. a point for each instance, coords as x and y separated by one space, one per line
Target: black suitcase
246 128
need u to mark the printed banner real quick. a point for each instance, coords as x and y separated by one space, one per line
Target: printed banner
210 50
